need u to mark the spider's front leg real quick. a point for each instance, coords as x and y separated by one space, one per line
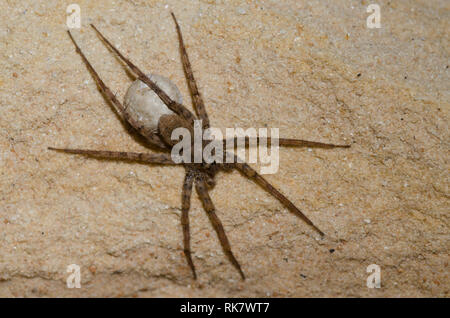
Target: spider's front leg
196 97
176 107
160 158
121 110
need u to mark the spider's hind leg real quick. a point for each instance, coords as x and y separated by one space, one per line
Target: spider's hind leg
185 206
253 175
286 142
217 224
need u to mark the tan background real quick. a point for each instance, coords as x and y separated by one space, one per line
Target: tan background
289 64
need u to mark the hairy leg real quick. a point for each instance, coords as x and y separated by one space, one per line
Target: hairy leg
284 142
253 175
121 155
173 105
218 227
149 135
196 97
185 206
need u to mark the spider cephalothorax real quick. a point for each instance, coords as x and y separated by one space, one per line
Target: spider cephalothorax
158 134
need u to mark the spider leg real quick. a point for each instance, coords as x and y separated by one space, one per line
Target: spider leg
253 175
162 158
286 142
196 97
308 143
185 206
171 104
210 209
149 135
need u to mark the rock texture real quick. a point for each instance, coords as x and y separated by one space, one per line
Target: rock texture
311 68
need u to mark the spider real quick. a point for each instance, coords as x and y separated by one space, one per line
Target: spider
199 174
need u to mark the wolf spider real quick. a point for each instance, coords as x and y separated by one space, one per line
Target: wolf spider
200 174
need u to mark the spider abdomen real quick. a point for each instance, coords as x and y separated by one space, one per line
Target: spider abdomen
144 106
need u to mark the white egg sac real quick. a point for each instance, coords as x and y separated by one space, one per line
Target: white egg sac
144 106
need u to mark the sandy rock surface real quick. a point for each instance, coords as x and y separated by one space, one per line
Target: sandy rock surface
311 68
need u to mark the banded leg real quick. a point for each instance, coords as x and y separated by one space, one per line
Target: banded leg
185 206
160 158
202 191
284 142
196 97
253 175
149 135
171 104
